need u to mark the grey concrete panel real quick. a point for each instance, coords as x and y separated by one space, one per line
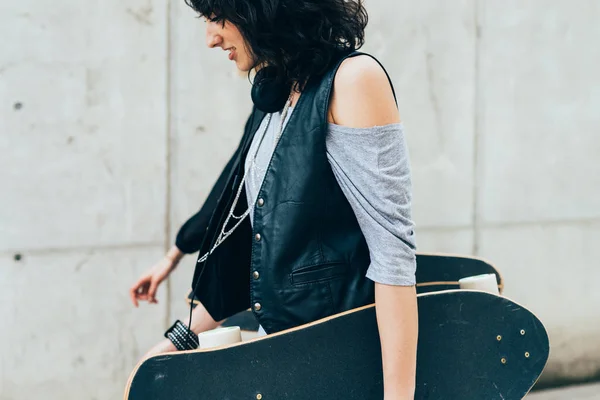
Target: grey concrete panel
69 330
552 270
428 48
451 241
539 111
583 392
209 105
83 123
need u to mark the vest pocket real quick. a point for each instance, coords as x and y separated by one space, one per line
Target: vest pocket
298 305
318 273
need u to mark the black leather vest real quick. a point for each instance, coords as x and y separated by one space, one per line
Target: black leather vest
305 257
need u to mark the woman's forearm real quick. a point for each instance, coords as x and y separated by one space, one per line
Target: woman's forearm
397 319
174 255
201 320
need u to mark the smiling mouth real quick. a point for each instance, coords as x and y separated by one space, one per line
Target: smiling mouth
231 52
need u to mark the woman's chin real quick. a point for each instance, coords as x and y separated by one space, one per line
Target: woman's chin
241 72
243 69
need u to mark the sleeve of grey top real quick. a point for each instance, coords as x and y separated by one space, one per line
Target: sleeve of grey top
372 168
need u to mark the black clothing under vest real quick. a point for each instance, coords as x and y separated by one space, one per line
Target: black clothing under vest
305 257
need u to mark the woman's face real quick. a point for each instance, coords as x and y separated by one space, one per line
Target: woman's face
228 37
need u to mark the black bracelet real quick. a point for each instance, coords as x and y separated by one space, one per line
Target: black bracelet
182 337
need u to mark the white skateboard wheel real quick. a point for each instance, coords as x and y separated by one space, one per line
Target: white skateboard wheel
486 283
220 337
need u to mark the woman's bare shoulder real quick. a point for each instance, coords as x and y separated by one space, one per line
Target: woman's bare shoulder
362 95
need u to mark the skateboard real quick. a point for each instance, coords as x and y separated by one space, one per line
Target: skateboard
435 272
472 345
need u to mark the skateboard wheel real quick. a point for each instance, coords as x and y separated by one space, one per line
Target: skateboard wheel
220 337
485 283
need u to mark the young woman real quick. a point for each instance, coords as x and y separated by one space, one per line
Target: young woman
312 214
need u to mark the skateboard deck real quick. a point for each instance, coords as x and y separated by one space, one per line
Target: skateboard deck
472 345
435 272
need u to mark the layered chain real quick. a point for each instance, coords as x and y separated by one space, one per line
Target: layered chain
224 234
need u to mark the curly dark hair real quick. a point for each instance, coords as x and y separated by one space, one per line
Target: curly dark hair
300 38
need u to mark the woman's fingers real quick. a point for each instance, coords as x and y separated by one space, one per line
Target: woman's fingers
152 290
133 296
143 297
139 291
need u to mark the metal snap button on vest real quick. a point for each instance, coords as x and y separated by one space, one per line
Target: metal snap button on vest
261 202
257 237
255 275
257 307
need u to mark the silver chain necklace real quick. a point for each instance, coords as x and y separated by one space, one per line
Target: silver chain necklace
224 234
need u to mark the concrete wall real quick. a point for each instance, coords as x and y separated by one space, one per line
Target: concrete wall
115 119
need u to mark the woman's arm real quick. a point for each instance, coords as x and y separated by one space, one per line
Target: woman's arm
201 322
397 319
145 288
363 98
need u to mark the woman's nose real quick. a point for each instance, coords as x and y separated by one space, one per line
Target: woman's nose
213 39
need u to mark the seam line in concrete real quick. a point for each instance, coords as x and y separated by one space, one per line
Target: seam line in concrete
168 150
477 157
513 224
557 222
77 249
427 229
